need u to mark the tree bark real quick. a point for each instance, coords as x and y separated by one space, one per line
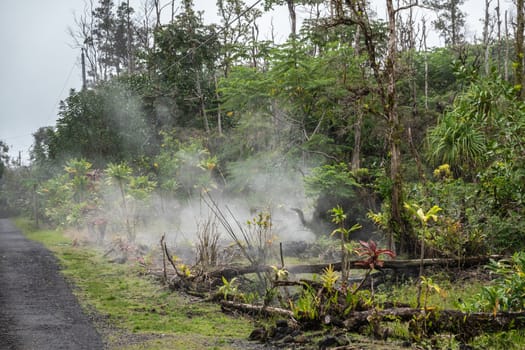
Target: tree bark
356 151
507 49
520 25
396 199
486 38
386 80
256 309
464 325
293 18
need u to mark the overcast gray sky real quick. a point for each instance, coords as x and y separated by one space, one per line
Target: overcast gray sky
38 66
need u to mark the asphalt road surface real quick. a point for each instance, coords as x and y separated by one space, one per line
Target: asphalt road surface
37 308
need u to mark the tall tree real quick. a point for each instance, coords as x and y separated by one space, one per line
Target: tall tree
124 39
102 35
82 131
290 4
450 20
39 153
82 37
236 22
4 157
109 38
386 78
184 61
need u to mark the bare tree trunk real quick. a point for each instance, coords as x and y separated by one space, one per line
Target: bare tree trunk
158 10
356 152
507 48
255 34
425 48
486 38
219 112
396 198
293 18
520 24
498 18
131 63
203 109
454 25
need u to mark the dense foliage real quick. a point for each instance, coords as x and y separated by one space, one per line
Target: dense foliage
176 109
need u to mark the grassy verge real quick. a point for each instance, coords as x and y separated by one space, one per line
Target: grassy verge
137 313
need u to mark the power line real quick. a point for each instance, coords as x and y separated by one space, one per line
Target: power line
58 99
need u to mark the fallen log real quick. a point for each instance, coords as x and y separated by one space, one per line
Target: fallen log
230 272
465 325
227 305
399 264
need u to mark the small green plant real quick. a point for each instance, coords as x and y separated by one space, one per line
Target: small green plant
508 289
134 193
280 274
430 286
307 306
339 218
423 218
228 287
329 278
320 300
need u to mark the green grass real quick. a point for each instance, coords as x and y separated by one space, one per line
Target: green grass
449 299
138 305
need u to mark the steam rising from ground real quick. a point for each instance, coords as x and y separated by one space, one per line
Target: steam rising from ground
266 182
270 193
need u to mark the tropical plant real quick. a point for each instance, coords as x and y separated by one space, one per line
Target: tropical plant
423 218
306 307
507 291
430 286
77 170
469 134
339 218
134 192
372 254
372 259
229 288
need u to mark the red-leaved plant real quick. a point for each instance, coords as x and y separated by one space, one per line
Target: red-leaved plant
372 255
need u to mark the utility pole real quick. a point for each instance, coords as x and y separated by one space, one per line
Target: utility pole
83 61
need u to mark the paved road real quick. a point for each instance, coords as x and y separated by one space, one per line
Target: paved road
37 308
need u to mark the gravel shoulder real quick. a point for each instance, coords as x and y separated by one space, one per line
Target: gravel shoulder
37 307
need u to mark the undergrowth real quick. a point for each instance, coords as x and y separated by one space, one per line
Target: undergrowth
155 318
